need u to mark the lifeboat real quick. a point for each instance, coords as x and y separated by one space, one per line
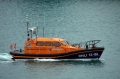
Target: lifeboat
55 48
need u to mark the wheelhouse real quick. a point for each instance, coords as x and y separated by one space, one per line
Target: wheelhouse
48 45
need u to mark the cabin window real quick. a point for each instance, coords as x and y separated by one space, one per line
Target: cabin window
47 43
64 43
29 44
57 44
40 43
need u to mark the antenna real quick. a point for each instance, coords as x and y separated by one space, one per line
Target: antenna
27 26
36 34
27 22
37 30
44 25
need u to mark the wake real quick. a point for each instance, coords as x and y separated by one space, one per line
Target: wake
5 57
52 60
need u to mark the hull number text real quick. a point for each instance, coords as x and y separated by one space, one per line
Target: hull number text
88 55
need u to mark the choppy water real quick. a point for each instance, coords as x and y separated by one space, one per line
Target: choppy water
74 20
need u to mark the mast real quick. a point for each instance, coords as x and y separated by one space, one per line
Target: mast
44 19
27 27
44 25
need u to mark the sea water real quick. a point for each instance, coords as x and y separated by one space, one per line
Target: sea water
74 20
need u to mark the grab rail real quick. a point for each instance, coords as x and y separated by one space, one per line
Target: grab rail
88 44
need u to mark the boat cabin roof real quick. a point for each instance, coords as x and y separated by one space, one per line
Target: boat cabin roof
49 39
39 41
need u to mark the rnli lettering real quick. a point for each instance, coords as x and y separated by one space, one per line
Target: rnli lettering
88 55
82 55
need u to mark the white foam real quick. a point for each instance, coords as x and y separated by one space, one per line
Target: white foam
5 57
46 59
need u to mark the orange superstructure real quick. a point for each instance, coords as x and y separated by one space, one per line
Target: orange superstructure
48 46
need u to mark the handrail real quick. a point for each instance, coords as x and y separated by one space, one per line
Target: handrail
88 44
